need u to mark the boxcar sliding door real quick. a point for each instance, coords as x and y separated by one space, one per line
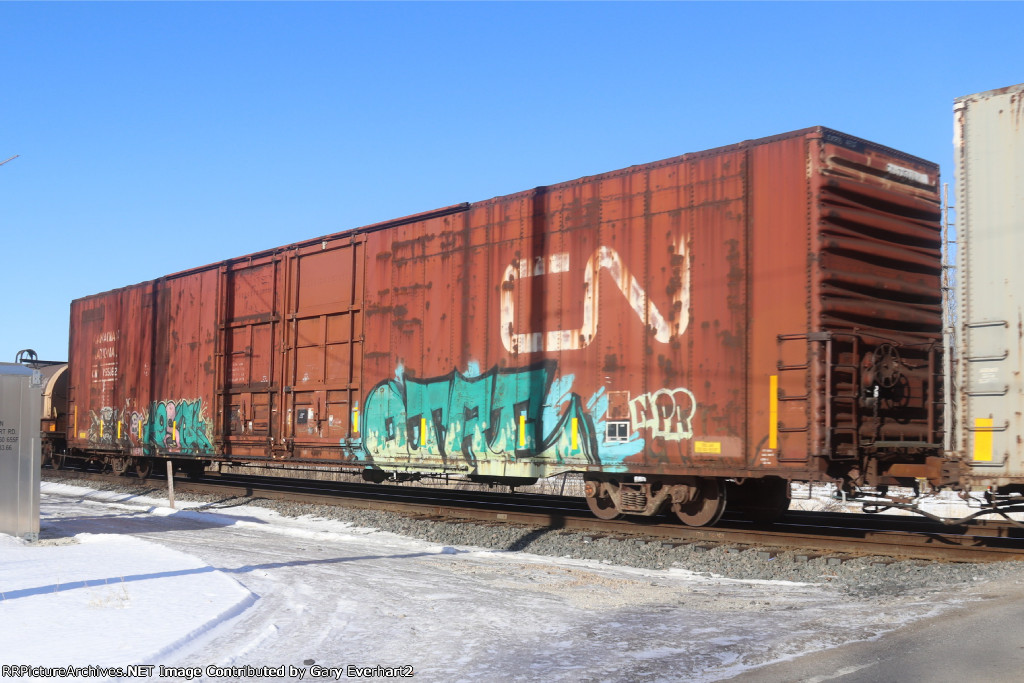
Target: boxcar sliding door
323 347
250 318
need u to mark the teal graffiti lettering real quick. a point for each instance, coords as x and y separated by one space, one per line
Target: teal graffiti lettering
501 414
192 427
166 425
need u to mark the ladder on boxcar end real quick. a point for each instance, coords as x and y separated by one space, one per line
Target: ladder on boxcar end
828 356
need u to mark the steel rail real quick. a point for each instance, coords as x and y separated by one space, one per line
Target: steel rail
805 532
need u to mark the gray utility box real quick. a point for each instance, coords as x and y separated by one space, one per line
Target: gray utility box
20 404
988 385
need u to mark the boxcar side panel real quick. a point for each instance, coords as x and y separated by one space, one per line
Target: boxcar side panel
665 319
249 324
322 350
779 384
181 408
716 336
93 356
989 134
142 371
568 337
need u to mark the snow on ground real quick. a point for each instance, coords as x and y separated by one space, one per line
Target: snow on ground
107 600
120 580
944 504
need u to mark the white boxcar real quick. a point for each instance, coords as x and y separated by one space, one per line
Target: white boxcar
989 141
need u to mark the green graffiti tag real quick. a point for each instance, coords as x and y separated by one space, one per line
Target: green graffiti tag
177 425
498 415
166 425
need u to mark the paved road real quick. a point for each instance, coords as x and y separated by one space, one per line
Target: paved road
984 641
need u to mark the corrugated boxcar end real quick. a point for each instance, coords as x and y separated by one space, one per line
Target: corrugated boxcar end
876 303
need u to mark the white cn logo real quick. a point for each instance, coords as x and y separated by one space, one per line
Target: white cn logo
605 258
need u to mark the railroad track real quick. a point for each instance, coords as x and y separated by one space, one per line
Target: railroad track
811 533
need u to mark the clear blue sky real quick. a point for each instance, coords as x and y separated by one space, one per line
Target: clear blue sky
158 137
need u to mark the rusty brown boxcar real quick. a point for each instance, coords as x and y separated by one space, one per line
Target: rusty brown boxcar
759 313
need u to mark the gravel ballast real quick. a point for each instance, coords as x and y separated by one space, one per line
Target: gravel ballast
864 577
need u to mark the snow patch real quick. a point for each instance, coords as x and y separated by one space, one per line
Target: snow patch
107 600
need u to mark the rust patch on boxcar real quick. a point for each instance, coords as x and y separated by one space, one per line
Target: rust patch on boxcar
379 310
409 289
421 242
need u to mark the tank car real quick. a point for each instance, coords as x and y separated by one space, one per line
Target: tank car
53 422
707 327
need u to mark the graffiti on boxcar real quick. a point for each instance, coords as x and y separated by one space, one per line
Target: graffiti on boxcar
179 425
611 451
103 425
498 414
668 413
663 327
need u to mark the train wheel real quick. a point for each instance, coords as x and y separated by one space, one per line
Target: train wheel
599 502
705 506
120 466
56 461
143 468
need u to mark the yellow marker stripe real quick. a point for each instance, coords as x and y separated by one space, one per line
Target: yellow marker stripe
355 421
575 429
76 419
983 439
522 430
423 431
174 430
101 427
140 430
119 429
773 412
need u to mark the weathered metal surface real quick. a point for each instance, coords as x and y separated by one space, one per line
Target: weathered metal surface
876 292
258 357
55 399
645 306
989 142
720 313
142 367
53 417
20 400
